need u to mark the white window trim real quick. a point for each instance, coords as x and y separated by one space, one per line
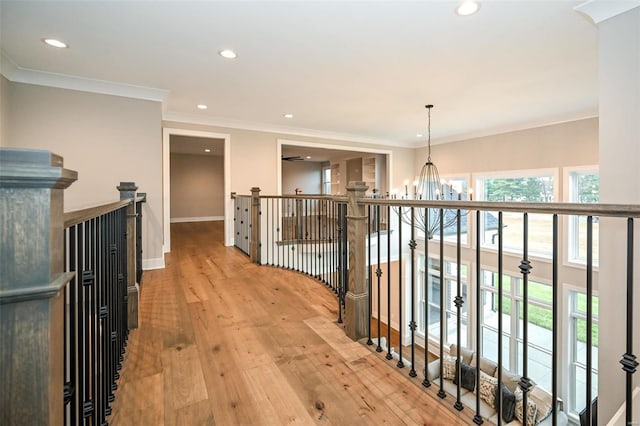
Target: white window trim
470 223
567 255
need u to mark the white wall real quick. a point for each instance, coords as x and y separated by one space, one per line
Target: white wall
106 139
197 186
305 175
619 95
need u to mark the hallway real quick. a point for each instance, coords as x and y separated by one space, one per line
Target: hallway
223 341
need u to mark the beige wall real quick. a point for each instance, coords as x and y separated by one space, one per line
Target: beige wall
5 93
197 186
305 175
254 158
106 139
568 144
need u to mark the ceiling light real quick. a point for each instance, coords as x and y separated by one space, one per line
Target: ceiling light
308 157
228 54
202 106
207 150
55 43
468 7
288 115
419 135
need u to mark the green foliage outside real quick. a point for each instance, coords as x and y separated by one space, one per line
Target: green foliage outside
530 189
543 317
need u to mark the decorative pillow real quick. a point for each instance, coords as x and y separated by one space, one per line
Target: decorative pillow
509 379
465 354
508 403
543 401
486 365
488 387
449 368
468 374
532 409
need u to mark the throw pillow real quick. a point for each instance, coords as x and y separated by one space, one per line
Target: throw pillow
468 374
449 368
488 387
543 402
508 403
532 409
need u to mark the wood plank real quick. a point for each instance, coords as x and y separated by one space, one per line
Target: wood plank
223 341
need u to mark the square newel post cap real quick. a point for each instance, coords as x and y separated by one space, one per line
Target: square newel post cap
357 185
255 190
127 190
33 168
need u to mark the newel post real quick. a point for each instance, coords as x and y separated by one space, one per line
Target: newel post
128 192
357 299
254 244
32 284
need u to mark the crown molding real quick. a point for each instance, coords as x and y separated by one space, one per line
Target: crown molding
18 74
272 128
601 10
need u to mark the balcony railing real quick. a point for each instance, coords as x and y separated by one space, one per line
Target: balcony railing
391 280
68 293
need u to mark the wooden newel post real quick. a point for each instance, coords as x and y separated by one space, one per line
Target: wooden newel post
128 192
357 299
32 286
254 244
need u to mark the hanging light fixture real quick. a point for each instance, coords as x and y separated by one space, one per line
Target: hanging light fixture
429 187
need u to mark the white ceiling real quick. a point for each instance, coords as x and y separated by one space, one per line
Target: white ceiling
356 70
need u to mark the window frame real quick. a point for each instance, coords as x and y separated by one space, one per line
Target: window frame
479 180
571 256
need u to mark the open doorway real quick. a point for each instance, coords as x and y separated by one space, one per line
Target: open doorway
312 168
203 191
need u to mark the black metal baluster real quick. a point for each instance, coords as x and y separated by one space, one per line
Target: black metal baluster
369 274
400 325
379 276
441 392
104 347
500 266
70 328
412 323
554 326
458 301
81 317
525 269
425 288
589 412
477 418
389 356
88 399
340 265
628 361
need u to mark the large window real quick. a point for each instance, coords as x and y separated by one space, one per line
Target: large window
539 325
578 350
533 187
454 188
326 180
450 310
584 187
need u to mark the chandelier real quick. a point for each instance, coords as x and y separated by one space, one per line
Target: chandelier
430 187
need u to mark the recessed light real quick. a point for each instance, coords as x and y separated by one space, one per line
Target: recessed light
202 106
207 150
228 54
419 135
288 115
55 43
467 8
308 157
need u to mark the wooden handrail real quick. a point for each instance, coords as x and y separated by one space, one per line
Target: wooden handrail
78 216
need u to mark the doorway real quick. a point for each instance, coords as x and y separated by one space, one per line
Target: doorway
203 137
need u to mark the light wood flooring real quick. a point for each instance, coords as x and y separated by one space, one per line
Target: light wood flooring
225 342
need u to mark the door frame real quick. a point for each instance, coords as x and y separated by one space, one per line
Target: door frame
166 182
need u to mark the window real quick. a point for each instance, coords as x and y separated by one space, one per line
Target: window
578 350
326 180
534 187
450 311
455 188
539 325
584 187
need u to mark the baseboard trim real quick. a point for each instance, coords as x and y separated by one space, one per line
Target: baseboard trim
196 219
156 263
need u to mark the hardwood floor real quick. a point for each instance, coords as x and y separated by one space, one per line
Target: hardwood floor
225 342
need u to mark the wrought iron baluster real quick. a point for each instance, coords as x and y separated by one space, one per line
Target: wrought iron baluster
379 276
525 268
441 392
554 325
369 274
425 288
477 418
628 361
500 287
588 398
458 301
400 324
389 356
